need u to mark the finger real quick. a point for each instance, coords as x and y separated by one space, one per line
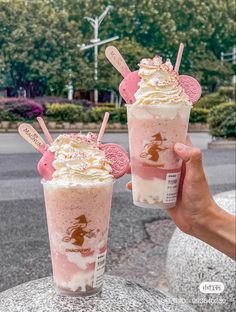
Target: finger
181 182
129 186
192 156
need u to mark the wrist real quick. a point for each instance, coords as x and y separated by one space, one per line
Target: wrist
217 228
207 219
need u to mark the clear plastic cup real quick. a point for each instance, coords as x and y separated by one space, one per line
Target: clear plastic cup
155 167
78 223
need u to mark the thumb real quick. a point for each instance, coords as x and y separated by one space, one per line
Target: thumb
192 156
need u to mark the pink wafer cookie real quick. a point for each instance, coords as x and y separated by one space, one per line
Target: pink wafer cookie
191 87
118 157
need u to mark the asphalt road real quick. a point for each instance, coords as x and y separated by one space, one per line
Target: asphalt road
137 235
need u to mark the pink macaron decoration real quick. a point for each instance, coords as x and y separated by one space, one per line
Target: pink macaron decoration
118 158
129 85
191 87
114 153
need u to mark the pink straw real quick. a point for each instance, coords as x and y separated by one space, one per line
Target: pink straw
179 57
45 130
103 127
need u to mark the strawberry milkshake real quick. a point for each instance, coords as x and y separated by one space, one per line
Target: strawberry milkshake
156 121
78 201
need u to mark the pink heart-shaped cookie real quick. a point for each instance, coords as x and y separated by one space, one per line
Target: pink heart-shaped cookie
45 167
191 87
118 157
129 86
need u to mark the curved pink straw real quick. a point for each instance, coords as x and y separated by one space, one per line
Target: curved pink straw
103 127
45 130
179 57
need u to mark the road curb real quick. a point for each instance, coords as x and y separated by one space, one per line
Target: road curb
222 144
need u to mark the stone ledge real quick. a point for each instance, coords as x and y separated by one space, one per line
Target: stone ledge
118 295
222 144
6 126
198 127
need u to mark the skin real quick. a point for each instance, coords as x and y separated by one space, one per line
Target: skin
196 213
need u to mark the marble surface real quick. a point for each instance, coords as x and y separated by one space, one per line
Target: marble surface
191 262
118 295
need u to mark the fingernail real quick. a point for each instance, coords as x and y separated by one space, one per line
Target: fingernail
180 146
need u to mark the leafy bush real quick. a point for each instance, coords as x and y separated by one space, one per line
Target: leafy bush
222 120
21 108
227 92
64 112
198 115
46 100
97 114
224 94
210 100
111 105
4 115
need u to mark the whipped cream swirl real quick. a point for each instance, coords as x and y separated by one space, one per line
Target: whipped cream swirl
79 161
159 84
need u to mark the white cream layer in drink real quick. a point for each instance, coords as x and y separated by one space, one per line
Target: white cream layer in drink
157 120
78 201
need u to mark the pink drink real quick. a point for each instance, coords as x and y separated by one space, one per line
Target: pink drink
78 203
156 121
154 165
78 223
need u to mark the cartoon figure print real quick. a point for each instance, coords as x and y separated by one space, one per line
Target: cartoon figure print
153 148
77 232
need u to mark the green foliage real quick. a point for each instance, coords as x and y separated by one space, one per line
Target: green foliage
64 112
38 40
222 120
227 92
110 105
198 115
96 115
6 115
211 100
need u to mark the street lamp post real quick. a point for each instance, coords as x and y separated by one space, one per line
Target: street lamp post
95 22
229 57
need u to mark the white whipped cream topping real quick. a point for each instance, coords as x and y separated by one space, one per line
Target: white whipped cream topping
159 84
79 161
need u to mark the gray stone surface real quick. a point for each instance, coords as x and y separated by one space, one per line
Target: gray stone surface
191 262
118 295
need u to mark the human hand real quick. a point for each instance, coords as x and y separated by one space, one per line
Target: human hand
194 198
195 202
196 213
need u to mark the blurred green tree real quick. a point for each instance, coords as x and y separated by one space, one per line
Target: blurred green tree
38 40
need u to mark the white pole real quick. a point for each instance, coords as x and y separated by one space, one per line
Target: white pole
96 26
95 23
234 55
221 58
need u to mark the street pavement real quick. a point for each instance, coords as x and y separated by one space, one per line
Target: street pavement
138 237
